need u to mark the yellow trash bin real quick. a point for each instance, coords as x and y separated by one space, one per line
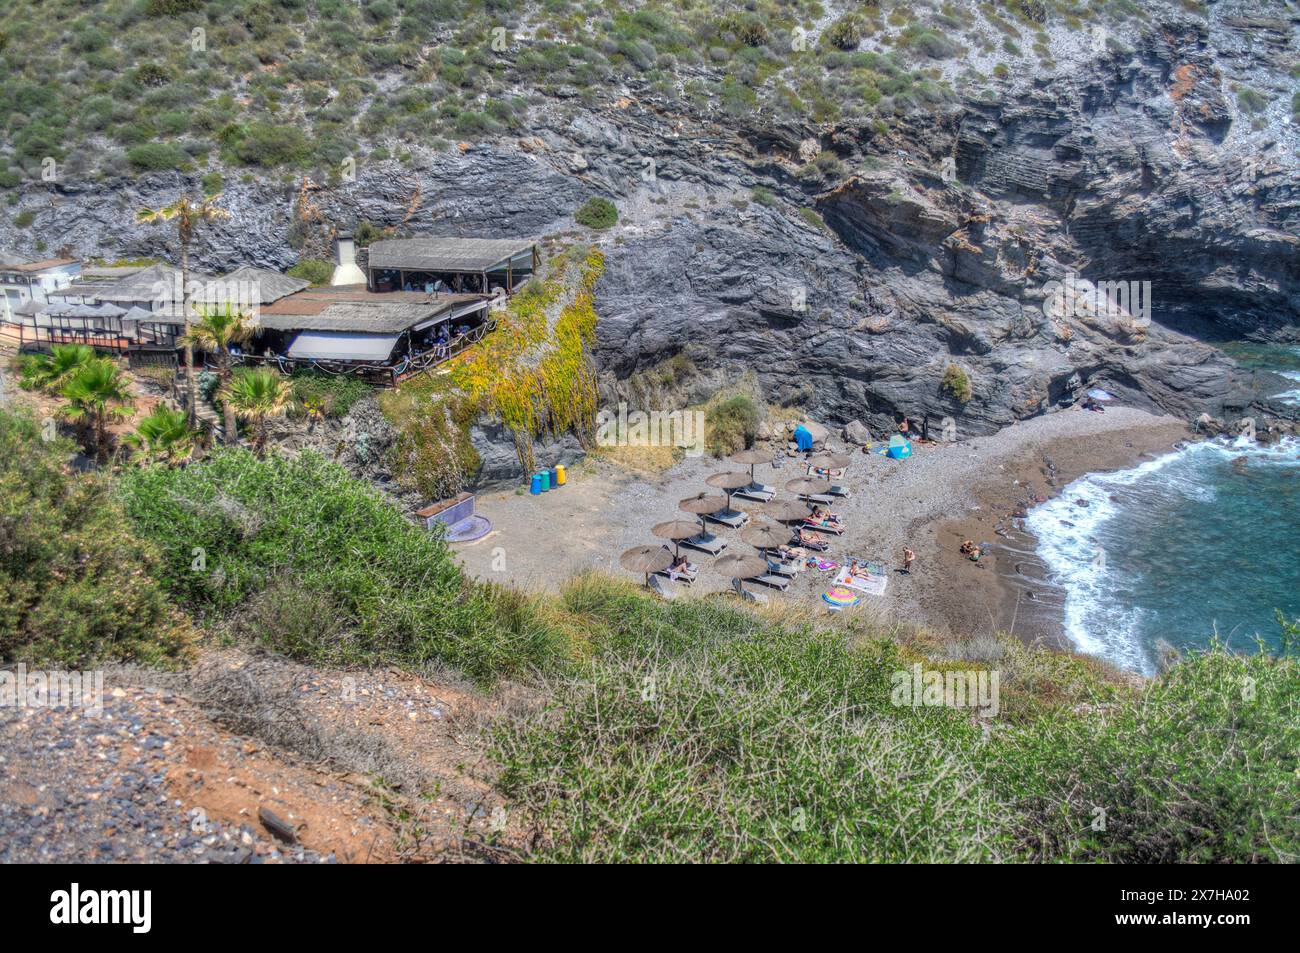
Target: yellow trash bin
559 475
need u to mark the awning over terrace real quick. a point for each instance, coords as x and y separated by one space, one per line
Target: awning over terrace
342 346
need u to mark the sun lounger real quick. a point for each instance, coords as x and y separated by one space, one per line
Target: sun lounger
687 576
745 594
656 585
837 490
781 566
814 545
835 528
773 580
756 491
733 518
825 499
706 543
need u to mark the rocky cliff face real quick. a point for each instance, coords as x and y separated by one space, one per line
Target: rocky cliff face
849 286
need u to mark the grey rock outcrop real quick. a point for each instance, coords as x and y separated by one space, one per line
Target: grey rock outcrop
849 294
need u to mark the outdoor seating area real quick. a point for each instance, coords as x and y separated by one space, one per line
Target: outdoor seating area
785 543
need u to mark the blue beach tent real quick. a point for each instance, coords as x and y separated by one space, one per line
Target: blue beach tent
899 448
803 439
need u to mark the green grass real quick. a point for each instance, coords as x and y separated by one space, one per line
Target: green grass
700 733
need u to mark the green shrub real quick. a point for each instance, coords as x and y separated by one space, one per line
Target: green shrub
596 213
315 270
171 8
156 156
77 587
845 33
233 526
330 395
268 144
24 218
1250 101
956 383
730 424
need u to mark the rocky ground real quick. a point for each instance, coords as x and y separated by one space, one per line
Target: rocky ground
253 760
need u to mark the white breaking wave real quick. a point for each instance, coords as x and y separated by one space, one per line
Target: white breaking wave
1289 396
1096 619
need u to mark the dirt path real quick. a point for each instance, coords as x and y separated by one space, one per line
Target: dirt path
353 766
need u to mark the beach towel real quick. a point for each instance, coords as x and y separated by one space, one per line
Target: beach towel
823 565
874 583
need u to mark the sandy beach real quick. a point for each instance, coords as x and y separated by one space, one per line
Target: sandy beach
946 492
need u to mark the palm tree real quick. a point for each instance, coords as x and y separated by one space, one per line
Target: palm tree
256 395
49 372
214 332
164 436
96 394
188 216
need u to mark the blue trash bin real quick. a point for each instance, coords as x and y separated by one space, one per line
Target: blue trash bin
535 486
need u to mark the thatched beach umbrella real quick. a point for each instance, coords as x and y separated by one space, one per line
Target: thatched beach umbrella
677 530
703 504
752 458
829 461
740 567
729 481
786 511
808 486
646 559
766 536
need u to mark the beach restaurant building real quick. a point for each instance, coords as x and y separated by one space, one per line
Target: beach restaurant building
418 302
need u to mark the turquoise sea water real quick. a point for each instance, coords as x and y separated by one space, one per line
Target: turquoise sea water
1202 541
1199 542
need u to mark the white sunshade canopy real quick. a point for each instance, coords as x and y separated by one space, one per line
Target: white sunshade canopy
341 346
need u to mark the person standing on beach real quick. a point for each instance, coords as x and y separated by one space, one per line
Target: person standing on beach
908 556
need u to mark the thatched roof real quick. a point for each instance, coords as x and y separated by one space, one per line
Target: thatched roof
447 254
354 309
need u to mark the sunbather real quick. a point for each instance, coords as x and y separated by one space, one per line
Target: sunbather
811 540
823 517
682 568
859 571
